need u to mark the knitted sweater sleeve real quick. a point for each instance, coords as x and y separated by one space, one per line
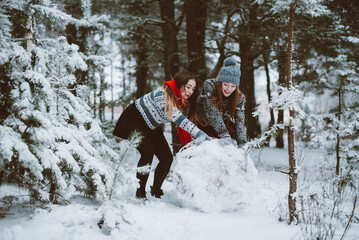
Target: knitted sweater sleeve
240 119
180 120
209 112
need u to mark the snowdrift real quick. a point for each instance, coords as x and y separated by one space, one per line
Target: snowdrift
212 178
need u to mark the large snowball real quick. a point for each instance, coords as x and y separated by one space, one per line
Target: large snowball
213 178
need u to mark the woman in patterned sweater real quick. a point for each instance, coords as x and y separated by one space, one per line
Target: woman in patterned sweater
221 106
147 113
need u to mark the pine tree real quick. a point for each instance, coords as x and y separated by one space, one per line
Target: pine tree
339 133
49 142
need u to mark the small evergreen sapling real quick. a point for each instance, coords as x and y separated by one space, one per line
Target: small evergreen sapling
112 212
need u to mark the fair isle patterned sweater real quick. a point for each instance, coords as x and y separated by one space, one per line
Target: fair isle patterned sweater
210 115
152 108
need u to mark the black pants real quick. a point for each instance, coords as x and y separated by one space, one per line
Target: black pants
153 143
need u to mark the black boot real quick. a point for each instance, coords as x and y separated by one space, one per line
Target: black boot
141 191
156 192
141 194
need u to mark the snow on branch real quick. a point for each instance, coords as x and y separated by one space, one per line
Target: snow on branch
285 99
149 21
314 8
53 14
257 142
126 152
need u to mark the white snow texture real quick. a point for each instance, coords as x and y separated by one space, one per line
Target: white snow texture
212 178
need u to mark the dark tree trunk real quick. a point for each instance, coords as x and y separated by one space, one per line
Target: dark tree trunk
291 152
280 132
271 122
78 36
337 147
266 60
196 17
169 39
5 91
281 58
221 47
170 54
112 97
247 75
142 64
247 86
269 94
102 102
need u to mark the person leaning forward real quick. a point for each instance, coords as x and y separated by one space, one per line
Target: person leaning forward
146 114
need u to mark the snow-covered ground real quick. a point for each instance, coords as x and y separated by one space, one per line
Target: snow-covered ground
168 218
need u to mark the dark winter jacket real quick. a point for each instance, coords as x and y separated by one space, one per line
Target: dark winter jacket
211 116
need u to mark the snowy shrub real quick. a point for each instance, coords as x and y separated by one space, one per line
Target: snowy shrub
212 178
325 206
124 174
112 213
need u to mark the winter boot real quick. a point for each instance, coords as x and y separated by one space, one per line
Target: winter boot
141 194
156 192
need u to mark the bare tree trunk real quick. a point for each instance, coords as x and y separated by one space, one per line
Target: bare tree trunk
170 55
79 36
337 147
266 59
112 97
142 64
281 58
28 34
196 17
94 103
123 70
279 138
101 108
247 75
269 94
221 46
169 38
271 122
292 161
252 123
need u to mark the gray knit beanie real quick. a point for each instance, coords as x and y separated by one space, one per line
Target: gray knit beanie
230 72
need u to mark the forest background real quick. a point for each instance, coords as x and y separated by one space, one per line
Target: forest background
68 68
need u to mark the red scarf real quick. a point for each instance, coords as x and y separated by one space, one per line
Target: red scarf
183 135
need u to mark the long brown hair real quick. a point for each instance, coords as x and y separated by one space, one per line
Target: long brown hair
233 98
181 79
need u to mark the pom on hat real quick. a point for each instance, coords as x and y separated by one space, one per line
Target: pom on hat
230 72
229 61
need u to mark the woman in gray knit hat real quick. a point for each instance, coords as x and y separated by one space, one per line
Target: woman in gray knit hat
221 106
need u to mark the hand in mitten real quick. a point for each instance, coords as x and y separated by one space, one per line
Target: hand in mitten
201 137
227 140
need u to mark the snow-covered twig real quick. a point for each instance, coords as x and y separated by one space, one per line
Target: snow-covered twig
134 141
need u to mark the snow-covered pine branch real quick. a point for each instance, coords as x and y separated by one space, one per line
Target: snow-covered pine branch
50 144
314 8
53 14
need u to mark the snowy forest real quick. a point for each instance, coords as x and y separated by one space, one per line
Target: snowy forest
68 68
